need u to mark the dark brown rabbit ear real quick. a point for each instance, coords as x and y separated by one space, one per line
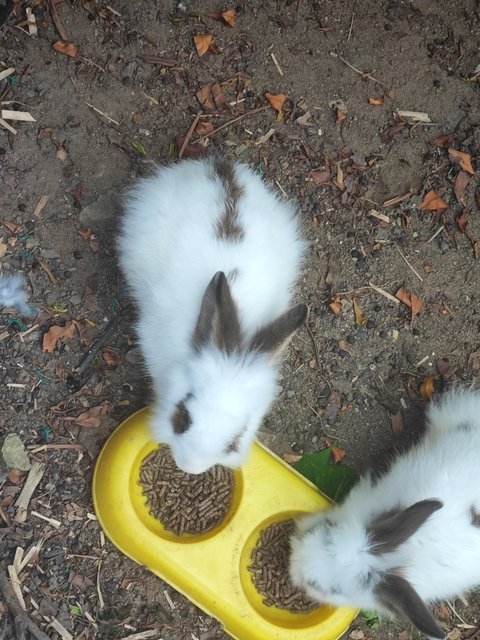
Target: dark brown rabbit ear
274 337
218 318
394 527
399 597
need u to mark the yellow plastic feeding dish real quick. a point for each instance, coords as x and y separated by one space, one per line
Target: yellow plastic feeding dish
211 568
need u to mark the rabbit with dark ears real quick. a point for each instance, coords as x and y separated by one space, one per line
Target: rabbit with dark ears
211 255
410 538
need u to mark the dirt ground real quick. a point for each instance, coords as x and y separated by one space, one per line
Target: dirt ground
360 174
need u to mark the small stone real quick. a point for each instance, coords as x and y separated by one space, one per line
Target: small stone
101 209
76 299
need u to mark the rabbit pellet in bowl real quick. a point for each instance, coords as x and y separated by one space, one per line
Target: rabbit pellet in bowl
182 502
270 570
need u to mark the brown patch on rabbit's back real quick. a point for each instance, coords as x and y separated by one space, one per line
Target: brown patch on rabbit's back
228 226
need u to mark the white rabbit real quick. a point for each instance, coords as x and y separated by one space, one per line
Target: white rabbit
408 538
211 256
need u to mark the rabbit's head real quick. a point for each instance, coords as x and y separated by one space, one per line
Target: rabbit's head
338 560
217 400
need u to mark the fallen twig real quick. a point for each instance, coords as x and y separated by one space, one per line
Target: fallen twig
230 122
88 357
162 62
22 621
409 265
384 293
362 73
189 134
102 114
275 62
56 20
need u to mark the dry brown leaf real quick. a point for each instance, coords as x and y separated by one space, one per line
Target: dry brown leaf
464 160
377 101
86 234
67 48
360 318
204 128
462 221
461 183
202 42
335 305
320 176
410 299
443 140
276 100
432 202
56 333
341 115
13 227
111 358
230 17
218 96
91 417
16 476
214 48
204 96
388 134
397 422
3 249
338 454
291 458
445 369
427 388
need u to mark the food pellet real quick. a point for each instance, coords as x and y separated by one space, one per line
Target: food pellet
183 502
270 570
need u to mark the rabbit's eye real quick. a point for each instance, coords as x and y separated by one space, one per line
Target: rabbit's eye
181 419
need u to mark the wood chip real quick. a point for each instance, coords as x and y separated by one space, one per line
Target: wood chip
55 523
32 22
6 72
8 127
34 476
24 116
16 585
60 629
379 216
40 205
415 116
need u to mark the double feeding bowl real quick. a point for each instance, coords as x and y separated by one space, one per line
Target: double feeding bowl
211 569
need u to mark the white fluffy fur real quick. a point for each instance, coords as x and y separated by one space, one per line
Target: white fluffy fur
12 293
169 252
331 552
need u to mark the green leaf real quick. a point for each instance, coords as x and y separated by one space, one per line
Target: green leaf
138 146
60 308
76 611
371 619
334 480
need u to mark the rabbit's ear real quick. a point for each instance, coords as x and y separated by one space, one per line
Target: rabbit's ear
399 597
275 336
218 318
394 527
